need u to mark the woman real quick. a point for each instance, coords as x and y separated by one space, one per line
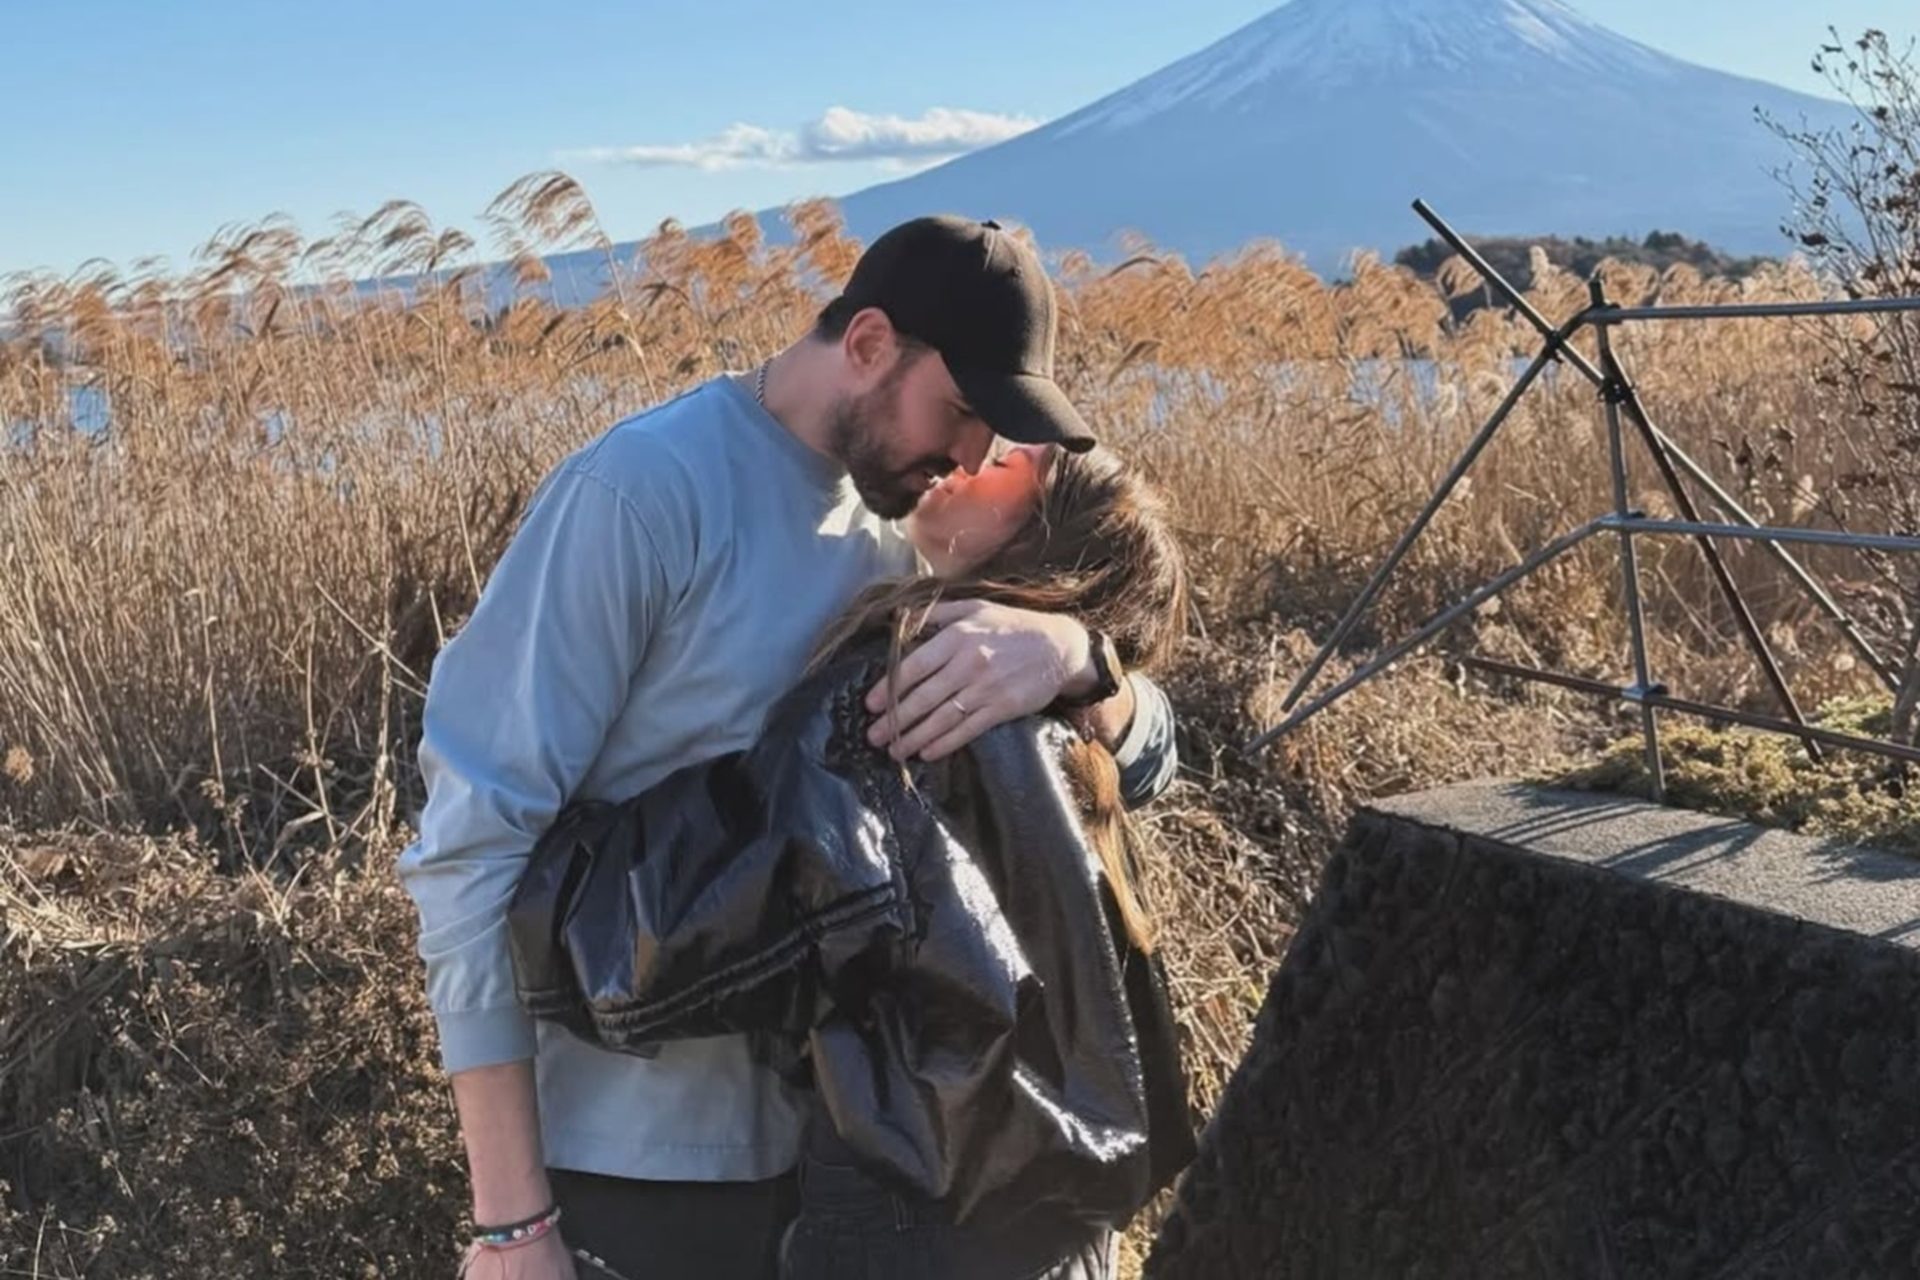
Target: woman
956 956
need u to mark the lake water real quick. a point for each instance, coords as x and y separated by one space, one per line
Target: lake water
1370 383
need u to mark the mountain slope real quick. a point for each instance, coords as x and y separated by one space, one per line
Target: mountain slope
1319 123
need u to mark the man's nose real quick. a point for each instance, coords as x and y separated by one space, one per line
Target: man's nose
973 450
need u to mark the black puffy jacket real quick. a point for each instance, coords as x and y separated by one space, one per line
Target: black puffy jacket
942 941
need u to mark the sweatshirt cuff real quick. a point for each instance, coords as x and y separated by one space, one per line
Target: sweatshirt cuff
485 1037
1147 711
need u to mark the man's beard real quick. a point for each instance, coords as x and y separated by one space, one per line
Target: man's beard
858 438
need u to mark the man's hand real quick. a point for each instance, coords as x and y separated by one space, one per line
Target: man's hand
986 664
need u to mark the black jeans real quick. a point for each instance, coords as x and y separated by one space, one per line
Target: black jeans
853 1227
674 1230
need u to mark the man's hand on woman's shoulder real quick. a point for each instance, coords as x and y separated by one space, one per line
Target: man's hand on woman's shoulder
986 664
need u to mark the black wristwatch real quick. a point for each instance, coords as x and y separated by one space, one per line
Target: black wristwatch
1106 672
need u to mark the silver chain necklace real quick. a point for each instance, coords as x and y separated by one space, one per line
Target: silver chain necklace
760 383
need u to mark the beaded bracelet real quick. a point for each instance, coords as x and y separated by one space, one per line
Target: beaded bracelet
513 1234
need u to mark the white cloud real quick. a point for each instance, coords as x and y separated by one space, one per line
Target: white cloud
843 134
840 134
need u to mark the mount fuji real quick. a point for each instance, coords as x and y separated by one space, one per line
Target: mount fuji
1319 123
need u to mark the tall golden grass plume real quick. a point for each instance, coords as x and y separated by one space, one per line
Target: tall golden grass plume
243 504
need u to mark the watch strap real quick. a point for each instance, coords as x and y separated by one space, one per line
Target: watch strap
1106 675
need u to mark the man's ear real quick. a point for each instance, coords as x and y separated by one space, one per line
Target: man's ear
869 345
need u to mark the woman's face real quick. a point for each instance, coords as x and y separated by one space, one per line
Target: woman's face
967 517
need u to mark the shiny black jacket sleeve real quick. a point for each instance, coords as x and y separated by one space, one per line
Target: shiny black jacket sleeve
701 906
942 943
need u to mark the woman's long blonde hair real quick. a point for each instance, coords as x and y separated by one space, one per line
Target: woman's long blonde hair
1100 547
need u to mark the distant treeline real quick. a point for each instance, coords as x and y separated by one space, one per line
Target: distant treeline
1511 256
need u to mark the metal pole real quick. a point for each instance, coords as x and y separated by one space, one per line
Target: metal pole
1513 296
1706 711
1614 391
1679 456
1552 551
1752 310
1466 460
1771 533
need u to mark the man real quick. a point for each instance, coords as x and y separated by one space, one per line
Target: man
664 588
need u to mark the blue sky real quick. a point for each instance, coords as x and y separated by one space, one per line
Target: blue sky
139 127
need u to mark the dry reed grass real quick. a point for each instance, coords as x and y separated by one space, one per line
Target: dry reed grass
219 611
211 1074
217 615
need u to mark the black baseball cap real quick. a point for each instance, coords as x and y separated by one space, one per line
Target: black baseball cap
978 296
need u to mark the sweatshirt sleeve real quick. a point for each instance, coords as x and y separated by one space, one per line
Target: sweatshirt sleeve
518 707
1148 757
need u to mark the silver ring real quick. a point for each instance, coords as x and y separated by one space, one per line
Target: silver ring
960 707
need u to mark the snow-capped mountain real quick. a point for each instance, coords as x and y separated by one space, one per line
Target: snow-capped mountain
1328 45
1319 123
